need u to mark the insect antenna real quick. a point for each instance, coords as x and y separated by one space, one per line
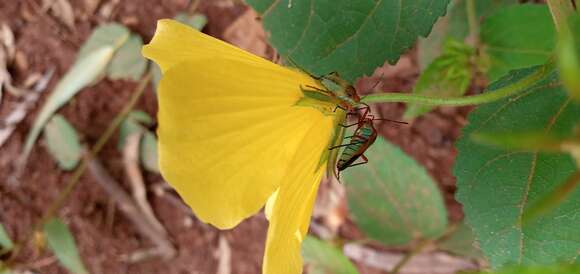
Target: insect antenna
389 120
294 64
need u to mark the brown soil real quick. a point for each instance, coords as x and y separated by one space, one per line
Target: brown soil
103 234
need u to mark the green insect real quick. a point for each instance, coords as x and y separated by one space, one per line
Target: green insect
363 137
341 93
344 96
336 91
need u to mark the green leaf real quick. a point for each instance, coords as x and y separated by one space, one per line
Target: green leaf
132 124
62 142
137 121
107 35
5 241
322 258
196 21
551 200
393 199
5 270
569 56
455 26
128 63
554 269
448 76
156 72
458 25
517 37
62 244
462 243
520 140
149 157
93 59
345 36
496 185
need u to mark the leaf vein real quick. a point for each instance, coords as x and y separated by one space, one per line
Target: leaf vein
305 30
355 34
270 8
392 199
531 177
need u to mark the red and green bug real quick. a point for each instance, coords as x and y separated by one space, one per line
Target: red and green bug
363 137
336 90
344 95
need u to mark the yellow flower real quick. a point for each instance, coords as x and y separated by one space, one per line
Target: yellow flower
234 132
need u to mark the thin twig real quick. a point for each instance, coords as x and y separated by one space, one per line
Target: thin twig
131 161
421 245
437 262
418 248
70 186
224 255
160 190
128 206
9 123
75 177
473 22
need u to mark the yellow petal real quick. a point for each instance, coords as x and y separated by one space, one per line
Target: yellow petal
175 42
270 205
228 131
292 210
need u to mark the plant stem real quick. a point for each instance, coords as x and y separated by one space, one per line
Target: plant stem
75 177
472 21
98 147
424 243
487 97
420 246
561 10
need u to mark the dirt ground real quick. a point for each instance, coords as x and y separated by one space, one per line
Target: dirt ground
104 236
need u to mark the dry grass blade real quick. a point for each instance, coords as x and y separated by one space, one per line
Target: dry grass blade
160 189
224 255
62 10
6 54
7 39
9 123
427 262
128 207
91 6
131 162
4 75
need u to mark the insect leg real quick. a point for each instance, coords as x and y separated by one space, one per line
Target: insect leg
365 161
347 126
355 111
344 145
339 107
318 89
